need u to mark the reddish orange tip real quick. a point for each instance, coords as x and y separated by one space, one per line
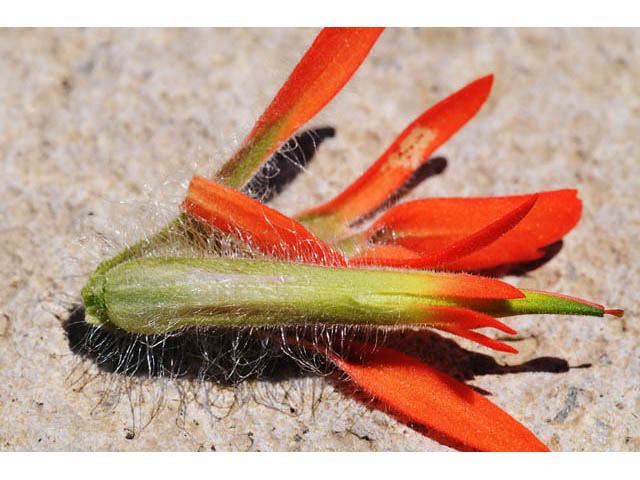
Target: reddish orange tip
256 225
480 339
450 411
332 59
406 154
462 322
464 318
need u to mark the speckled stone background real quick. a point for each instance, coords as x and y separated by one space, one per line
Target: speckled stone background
100 131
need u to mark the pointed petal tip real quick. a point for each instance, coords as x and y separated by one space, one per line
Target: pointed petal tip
463 318
325 68
409 151
480 339
507 329
486 82
463 322
448 410
479 90
509 349
258 226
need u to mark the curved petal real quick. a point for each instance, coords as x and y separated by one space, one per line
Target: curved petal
462 322
405 155
257 225
460 248
451 412
329 63
428 226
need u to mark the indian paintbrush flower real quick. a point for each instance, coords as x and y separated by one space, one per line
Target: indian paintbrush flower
317 268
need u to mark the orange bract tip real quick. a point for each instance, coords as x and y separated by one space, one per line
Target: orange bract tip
616 312
461 322
257 225
334 56
451 412
406 154
329 63
464 318
481 339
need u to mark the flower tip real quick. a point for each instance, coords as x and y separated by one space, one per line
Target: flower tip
488 80
615 312
482 86
507 329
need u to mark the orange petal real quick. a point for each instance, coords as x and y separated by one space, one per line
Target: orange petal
329 63
407 153
481 339
261 227
465 246
430 225
463 318
453 413
461 322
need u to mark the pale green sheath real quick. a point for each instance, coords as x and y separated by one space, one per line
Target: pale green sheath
157 295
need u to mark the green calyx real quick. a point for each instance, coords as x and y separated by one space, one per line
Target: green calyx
158 295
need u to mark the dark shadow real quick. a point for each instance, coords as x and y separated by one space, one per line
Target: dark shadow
462 364
434 166
224 355
285 165
232 355
229 356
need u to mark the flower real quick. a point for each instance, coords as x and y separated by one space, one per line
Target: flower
316 267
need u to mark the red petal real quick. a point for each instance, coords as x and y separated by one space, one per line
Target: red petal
463 318
481 339
410 150
463 247
428 226
261 227
453 413
329 63
460 321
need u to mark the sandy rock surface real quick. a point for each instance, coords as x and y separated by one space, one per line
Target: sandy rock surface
100 131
